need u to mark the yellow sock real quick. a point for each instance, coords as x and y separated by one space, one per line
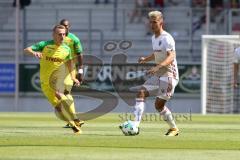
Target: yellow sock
66 115
68 105
60 115
71 108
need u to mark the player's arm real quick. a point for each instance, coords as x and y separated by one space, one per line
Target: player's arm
30 51
235 74
79 51
80 67
36 49
142 60
167 61
70 66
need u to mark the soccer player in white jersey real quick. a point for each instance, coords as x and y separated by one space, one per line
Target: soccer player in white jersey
236 65
164 75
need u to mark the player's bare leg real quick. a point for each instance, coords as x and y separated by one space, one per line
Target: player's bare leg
167 116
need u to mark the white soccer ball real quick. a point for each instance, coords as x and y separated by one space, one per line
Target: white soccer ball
129 128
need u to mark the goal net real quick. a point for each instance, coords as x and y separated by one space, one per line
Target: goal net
218 94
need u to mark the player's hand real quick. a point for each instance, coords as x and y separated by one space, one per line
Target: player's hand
142 60
37 55
76 82
79 77
58 94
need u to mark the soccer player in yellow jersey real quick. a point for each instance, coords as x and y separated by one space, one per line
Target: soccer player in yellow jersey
75 45
53 55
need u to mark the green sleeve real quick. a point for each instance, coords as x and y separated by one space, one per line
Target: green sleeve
77 46
39 46
69 57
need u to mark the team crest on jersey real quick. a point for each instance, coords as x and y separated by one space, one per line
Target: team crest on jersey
160 42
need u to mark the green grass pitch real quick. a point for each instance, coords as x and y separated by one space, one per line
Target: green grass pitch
40 136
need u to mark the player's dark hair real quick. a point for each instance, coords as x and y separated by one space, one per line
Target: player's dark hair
62 21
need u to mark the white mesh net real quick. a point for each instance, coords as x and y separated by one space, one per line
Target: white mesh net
219 94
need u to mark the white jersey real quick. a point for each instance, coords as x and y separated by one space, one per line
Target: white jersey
237 55
161 45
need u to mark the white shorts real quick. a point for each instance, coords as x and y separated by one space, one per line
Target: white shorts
161 87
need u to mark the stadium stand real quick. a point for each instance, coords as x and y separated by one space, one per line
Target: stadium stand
86 16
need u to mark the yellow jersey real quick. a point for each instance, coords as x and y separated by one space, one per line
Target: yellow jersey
74 44
53 58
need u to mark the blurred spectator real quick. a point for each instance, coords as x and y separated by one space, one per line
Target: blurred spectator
236 28
198 12
142 7
159 4
137 11
141 10
147 7
216 8
194 75
98 1
174 2
216 4
235 3
22 3
198 22
198 3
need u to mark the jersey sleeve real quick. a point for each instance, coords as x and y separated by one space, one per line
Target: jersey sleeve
38 47
169 44
69 57
77 46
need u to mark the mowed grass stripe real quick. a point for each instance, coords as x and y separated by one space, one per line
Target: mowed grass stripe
37 133
96 153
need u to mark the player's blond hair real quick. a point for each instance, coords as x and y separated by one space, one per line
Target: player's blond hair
155 14
58 26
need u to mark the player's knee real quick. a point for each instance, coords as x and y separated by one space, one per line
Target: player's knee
70 98
142 94
159 104
57 94
66 92
58 108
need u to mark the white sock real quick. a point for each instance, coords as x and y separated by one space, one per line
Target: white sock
167 116
138 110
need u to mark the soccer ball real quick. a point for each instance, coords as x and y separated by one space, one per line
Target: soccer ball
129 128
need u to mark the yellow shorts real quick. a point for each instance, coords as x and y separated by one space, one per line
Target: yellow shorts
49 92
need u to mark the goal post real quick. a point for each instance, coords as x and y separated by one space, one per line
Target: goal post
217 91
